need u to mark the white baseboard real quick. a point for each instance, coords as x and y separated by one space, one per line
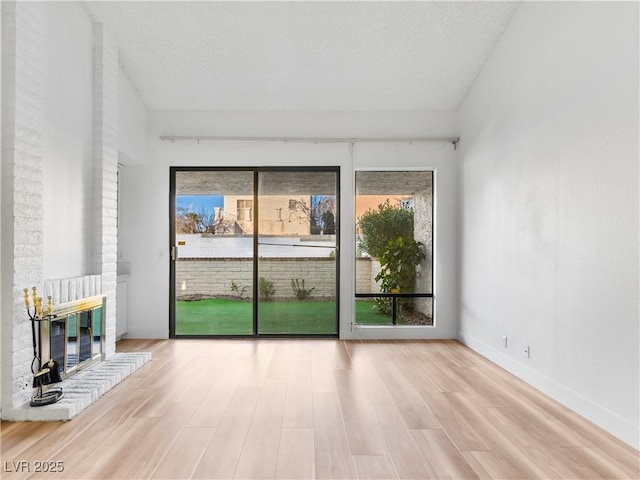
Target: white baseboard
147 333
613 423
388 332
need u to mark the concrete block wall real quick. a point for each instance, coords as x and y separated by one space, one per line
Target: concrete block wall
317 273
22 252
211 277
366 271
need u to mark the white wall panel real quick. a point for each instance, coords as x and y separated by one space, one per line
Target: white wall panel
549 207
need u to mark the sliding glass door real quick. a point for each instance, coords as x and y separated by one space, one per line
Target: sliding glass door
212 252
297 252
254 252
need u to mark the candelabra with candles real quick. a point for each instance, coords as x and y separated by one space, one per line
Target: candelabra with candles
48 372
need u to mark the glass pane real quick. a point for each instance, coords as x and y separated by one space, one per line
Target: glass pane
373 311
414 311
72 341
57 334
96 329
85 337
297 252
214 266
404 311
394 247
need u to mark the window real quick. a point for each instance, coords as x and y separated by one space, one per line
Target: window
245 208
394 247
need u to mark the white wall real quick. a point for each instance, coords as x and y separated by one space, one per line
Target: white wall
549 202
132 123
133 140
144 219
1 260
67 140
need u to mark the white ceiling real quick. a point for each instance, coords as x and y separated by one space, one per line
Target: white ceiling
303 56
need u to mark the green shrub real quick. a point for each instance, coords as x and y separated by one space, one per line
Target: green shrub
397 270
265 289
240 290
380 226
387 234
299 289
398 265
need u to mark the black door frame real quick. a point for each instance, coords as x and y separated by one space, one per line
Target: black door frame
256 171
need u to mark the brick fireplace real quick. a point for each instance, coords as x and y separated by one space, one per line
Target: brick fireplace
26 244
76 338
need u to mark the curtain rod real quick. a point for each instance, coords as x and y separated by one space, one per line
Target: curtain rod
172 138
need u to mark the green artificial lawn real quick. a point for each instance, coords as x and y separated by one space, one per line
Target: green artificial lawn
222 316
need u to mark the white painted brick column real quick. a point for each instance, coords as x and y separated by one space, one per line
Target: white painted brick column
22 202
105 150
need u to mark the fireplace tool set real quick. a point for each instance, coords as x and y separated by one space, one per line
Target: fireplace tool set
49 371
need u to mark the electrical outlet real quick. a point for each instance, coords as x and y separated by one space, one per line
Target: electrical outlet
504 341
527 351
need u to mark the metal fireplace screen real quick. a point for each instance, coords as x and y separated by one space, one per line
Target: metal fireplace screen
75 338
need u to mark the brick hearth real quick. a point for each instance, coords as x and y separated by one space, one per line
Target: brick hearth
84 388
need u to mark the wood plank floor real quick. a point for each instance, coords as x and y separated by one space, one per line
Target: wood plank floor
325 409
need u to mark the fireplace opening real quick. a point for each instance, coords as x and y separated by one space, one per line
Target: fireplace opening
75 337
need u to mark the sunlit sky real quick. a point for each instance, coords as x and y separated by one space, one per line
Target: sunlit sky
197 203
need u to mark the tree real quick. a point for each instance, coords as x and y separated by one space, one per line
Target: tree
203 222
380 226
328 223
398 265
325 213
186 222
387 234
320 213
